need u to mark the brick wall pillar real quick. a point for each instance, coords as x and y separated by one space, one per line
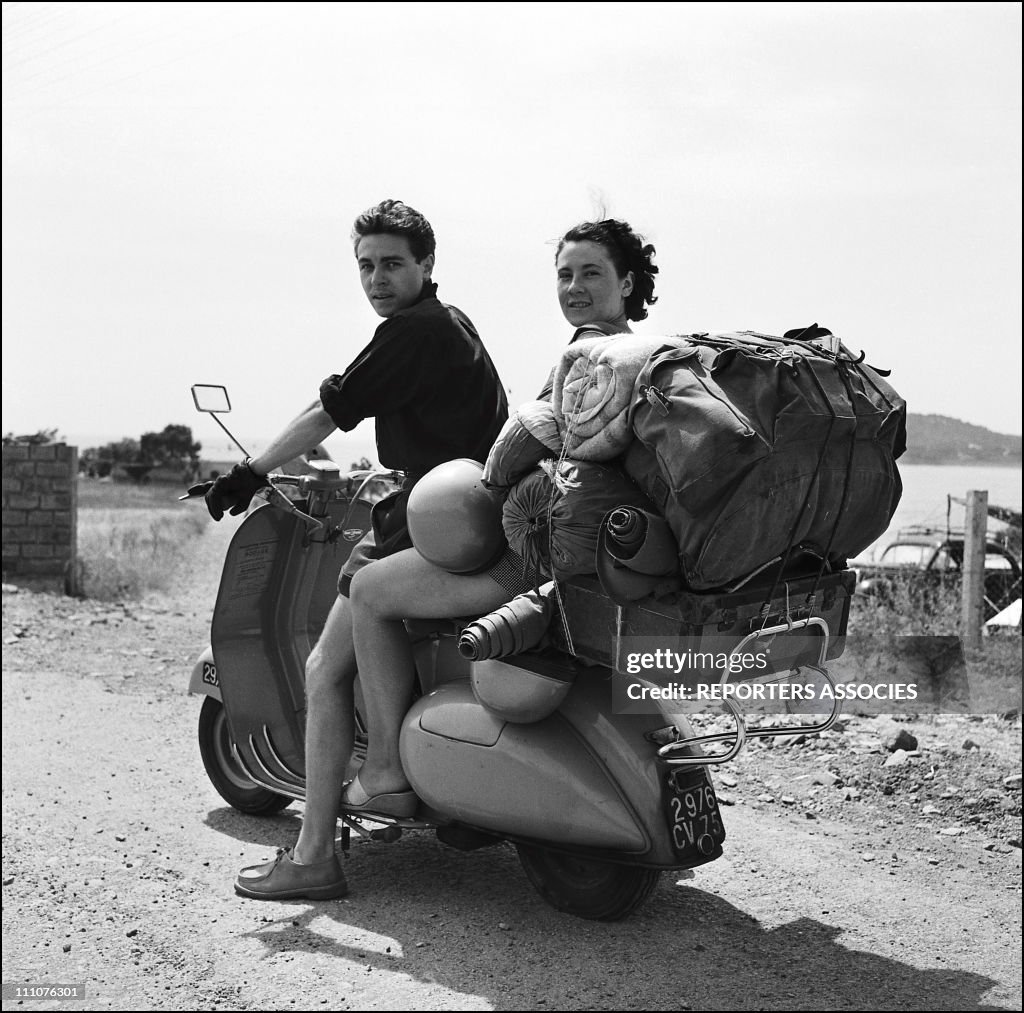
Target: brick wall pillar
40 514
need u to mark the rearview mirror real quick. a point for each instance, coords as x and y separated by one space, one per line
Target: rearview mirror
211 397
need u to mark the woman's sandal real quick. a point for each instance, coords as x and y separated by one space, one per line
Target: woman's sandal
397 804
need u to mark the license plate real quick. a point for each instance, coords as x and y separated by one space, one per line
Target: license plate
210 674
694 820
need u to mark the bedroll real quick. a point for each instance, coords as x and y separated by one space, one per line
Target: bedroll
760 449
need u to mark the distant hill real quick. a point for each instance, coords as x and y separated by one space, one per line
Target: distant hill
932 439
938 439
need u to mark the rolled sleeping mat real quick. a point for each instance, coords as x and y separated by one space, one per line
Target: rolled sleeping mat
641 541
621 583
515 627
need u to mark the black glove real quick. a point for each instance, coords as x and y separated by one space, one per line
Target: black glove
195 491
234 491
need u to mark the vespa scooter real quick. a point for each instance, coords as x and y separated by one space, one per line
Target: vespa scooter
596 802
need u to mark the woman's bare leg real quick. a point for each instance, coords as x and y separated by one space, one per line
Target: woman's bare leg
398 587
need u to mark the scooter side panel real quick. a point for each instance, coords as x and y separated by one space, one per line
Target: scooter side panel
584 778
541 781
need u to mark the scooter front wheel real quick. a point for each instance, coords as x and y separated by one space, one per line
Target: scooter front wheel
603 891
232 783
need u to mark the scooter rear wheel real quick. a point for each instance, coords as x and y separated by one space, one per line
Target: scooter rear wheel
232 783
603 891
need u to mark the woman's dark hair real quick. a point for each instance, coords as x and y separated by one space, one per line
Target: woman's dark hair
397 219
628 252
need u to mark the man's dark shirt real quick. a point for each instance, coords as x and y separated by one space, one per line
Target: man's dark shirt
431 386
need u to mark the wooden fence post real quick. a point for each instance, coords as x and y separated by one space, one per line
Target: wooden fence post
973 587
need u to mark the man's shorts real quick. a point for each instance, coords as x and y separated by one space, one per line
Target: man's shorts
388 534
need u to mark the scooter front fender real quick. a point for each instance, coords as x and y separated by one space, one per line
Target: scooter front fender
204 680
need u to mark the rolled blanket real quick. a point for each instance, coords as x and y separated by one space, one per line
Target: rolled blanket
552 517
593 392
529 435
515 627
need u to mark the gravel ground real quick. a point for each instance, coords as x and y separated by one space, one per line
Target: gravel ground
856 875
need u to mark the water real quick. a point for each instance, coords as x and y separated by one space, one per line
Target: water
925 487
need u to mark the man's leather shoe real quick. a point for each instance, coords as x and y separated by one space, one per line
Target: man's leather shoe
284 879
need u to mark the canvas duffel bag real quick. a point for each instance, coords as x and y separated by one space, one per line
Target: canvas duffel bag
755 447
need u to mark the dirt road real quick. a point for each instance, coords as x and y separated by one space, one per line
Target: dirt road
860 892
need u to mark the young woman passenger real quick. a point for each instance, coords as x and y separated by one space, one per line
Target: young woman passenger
605 279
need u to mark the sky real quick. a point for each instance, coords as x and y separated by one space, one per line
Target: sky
180 180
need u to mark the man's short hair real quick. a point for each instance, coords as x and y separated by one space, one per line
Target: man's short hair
396 218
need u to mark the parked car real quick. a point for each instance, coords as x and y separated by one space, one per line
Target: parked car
932 560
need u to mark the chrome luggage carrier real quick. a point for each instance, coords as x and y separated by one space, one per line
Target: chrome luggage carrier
814 606
741 733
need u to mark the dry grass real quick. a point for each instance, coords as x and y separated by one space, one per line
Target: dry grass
130 537
95 493
910 608
993 668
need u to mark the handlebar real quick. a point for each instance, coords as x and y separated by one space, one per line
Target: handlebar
306 484
282 501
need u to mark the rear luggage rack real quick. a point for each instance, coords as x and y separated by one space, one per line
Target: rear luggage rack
807 615
741 733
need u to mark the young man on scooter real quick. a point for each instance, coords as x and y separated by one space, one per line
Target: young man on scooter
431 386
